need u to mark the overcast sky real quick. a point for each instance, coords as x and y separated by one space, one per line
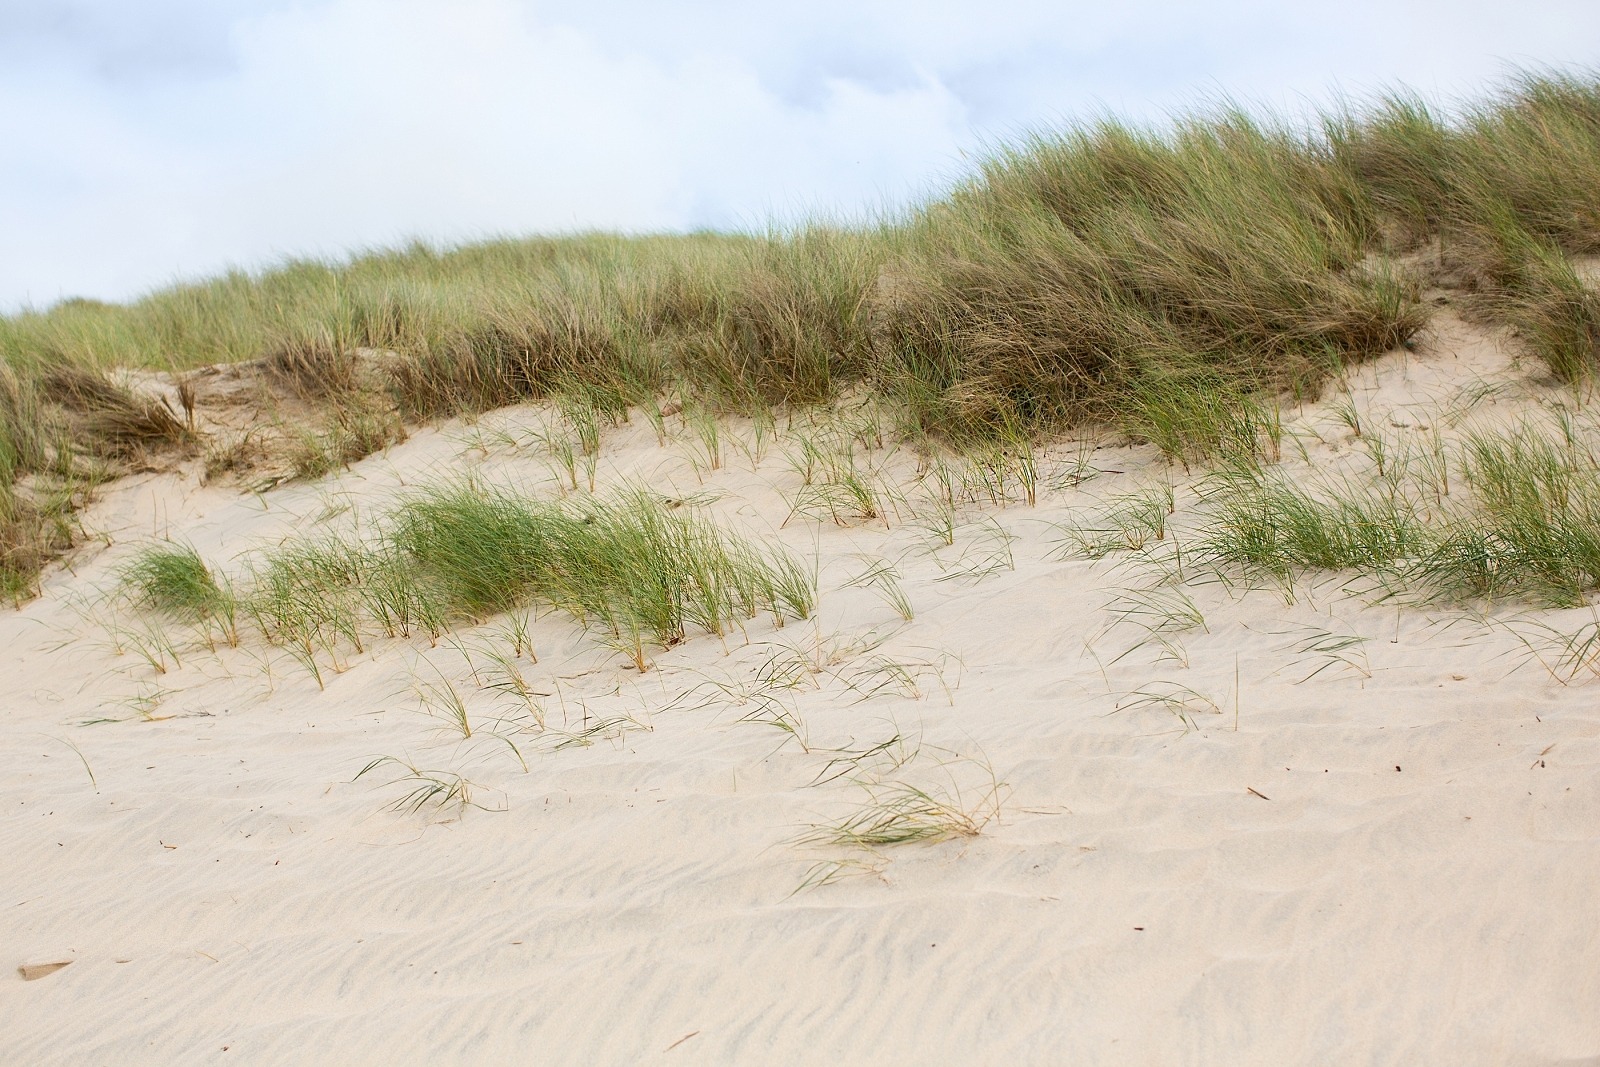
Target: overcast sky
146 141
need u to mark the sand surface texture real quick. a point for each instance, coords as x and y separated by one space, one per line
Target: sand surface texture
1316 828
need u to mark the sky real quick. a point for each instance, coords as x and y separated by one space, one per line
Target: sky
147 143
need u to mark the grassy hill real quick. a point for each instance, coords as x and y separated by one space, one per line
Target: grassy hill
1173 283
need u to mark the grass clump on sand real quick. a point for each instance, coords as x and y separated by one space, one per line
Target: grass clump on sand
634 567
172 581
39 485
1264 523
311 597
1536 531
641 572
1529 527
899 813
1545 302
486 552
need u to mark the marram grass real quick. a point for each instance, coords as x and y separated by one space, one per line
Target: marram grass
640 572
1526 527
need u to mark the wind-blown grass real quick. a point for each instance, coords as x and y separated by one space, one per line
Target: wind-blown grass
1263 522
1101 272
1529 527
1537 529
636 568
1224 247
640 572
173 580
34 528
112 419
38 484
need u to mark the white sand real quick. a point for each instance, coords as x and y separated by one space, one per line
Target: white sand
1394 860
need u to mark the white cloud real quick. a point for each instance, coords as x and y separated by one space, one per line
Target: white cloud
199 134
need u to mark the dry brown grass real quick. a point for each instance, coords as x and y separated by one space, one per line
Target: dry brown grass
111 419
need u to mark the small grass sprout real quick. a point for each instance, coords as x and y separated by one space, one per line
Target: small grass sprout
878 759
882 577
1162 610
880 675
1331 648
425 788
1177 700
899 811
987 552
602 728
1127 523
443 700
1158 610
827 872
1566 655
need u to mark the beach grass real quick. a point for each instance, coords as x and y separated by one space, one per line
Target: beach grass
1527 527
642 573
172 580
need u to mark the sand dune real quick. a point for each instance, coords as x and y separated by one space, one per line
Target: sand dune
1379 851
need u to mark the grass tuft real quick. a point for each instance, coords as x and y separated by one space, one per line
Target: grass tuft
114 420
1529 527
173 580
640 572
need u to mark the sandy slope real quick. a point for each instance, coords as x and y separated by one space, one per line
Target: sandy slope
1390 859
